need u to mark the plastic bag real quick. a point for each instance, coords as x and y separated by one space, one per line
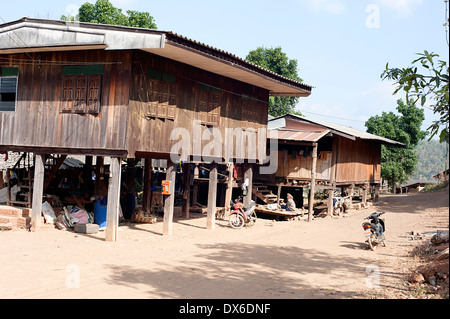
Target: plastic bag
49 213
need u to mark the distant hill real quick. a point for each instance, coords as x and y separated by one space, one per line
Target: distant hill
431 159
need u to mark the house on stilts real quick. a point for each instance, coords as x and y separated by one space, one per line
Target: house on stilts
318 155
125 93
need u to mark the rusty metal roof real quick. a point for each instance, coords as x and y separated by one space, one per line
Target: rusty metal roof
296 123
36 35
299 135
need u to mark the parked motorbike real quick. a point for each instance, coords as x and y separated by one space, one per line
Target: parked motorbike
374 230
241 215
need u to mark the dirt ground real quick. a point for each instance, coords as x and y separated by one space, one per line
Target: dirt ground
324 258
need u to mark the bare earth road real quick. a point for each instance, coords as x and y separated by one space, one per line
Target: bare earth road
325 258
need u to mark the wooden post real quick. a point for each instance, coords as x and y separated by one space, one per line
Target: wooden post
377 193
279 194
169 200
364 195
38 189
248 174
8 186
147 195
330 202
112 209
187 189
99 177
212 197
229 189
194 194
313 182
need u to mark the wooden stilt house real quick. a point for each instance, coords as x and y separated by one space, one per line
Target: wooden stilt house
101 90
316 154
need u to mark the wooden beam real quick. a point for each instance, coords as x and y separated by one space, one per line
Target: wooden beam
112 215
229 189
212 197
377 193
8 186
279 194
38 192
169 200
187 189
54 170
313 183
248 174
330 206
147 193
99 178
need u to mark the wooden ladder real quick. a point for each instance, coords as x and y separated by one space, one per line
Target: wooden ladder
24 171
263 193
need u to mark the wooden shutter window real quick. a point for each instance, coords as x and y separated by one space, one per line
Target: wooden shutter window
93 96
161 99
81 91
209 105
172 101
68 93
79 105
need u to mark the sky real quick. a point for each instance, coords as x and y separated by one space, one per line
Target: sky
342 46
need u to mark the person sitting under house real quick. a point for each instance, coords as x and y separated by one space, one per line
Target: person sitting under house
290 205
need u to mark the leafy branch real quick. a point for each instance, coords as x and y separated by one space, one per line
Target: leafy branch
433 87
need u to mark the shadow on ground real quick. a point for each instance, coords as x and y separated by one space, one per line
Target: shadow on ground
246 271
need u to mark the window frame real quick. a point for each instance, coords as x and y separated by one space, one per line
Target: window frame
10 73
209 105
76 98
162 94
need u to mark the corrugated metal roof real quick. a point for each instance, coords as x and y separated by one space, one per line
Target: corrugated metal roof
336 128
300 135
65 35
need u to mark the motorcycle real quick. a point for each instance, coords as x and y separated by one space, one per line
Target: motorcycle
241 215
374 230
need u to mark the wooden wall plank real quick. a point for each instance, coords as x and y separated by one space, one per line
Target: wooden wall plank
38 122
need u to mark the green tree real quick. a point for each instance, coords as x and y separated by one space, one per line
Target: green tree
104 12
432 86
432 159
398 163
275 60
